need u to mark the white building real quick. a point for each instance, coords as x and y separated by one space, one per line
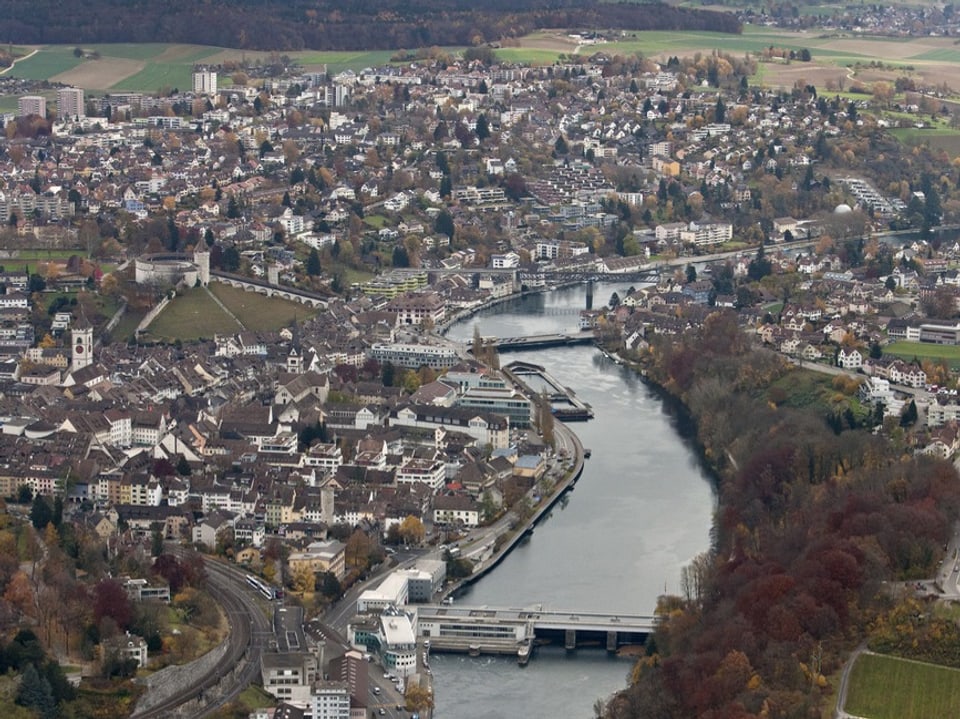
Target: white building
850 359
414 356
331 700
205 82
505 261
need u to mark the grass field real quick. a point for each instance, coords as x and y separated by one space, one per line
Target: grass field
191 316
124 330
156 76
890 688
922 350
530 56
194 314
940 138
48 61
258 312
813 390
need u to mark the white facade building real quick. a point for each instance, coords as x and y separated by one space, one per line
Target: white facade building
205 82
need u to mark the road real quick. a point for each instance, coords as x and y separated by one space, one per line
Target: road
13 64
838 710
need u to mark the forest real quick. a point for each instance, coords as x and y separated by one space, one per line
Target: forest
813 521
323 24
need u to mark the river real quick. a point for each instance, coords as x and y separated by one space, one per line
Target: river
641 511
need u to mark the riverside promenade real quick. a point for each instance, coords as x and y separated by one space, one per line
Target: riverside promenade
568 459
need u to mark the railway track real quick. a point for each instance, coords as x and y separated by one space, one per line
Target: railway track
211 688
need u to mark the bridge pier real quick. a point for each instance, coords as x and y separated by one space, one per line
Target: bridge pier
589 294
570 639
611 641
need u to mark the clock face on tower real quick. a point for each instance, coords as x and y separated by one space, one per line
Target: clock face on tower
79 349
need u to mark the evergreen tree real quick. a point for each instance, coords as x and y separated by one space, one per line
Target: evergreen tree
400 258
446 186
444 224
233 208
313 263
560 146
909 417
40 513
156 543
230 259
720 111
759 266
483 127
36 693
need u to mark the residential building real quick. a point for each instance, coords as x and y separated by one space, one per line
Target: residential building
32 105
414 356
70 103
205 82
330 700
289 677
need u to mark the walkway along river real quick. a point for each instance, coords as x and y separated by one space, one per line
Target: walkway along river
642 509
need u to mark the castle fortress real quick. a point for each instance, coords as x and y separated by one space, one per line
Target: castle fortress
174 268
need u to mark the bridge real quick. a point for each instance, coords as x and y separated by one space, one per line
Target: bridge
507 344
530 275
250 284
504 630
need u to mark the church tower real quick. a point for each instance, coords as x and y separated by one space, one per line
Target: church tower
201 258
295 357
82 349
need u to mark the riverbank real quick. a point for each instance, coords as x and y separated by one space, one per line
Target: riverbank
469 312
518 530
641 509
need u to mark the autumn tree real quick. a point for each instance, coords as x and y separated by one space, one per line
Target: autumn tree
302 579
411 530
417 698
357 551
110 600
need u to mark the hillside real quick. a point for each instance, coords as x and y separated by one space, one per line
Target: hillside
324 24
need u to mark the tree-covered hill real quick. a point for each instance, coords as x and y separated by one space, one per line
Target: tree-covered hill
328 25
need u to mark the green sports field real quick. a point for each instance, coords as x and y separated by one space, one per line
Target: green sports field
922 350
883 687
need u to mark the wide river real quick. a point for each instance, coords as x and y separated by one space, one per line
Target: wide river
641 511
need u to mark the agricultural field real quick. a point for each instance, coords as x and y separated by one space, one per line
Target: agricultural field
148 67
933 60
946 139
883 687
923 350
